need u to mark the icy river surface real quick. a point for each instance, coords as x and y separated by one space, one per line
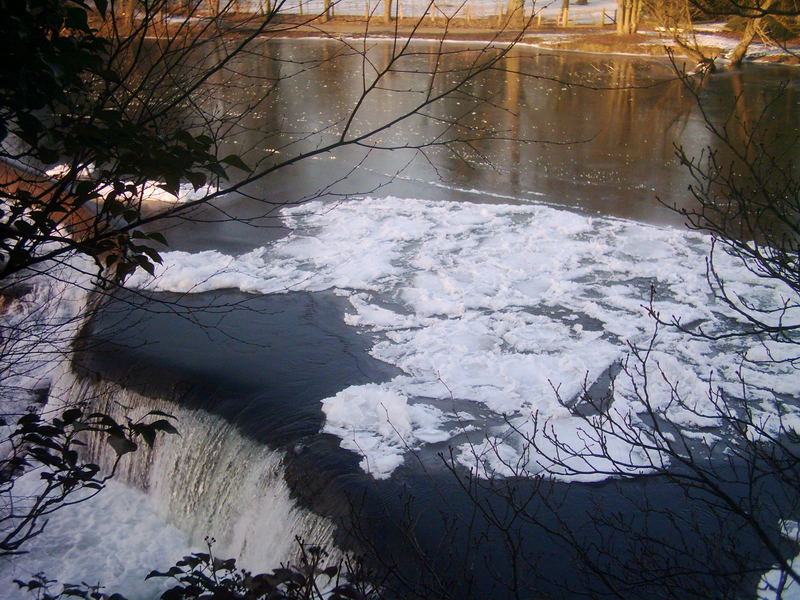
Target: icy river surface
410 313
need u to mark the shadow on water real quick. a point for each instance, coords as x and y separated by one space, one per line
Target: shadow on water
264 363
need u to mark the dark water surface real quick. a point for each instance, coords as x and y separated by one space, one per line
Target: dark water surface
593 133
265 363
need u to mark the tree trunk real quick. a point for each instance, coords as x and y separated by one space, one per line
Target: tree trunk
738 53
628 12
515 9
387 10
326 11
125 17
750 31
564 18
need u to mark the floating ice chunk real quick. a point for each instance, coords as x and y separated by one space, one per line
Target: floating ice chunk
492 457
770 351
776 583
511 308
379 423
566 447
188 272
376 317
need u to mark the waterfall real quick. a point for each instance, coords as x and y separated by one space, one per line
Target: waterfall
209 480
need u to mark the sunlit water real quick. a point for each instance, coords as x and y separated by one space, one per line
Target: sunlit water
423 301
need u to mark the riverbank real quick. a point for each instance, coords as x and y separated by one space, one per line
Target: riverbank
712 39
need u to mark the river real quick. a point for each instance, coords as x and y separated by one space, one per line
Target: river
409 307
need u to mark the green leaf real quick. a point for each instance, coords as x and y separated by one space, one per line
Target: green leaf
165 426
197 180
28 419
160 413
121 444
46 155
204 140
71 415
330 571
85 190
110 75
184 137
151 253
157 237
149 435
170 573
145 264
76 19
219 564
235 160
171 187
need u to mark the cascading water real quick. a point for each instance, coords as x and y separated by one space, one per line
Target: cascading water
209 480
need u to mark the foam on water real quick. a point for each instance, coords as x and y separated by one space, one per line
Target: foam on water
495 313
114 539
40 316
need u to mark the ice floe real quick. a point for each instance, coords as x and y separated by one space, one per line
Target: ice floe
499 317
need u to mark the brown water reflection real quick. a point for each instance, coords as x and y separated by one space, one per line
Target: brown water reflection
590 132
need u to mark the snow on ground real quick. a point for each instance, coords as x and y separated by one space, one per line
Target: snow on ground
150 191
550 9
487 310
708 36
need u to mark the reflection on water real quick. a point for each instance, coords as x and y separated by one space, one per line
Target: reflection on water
590 132
593 133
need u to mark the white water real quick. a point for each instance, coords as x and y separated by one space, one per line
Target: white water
488 309
114 539
37 328
207 481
